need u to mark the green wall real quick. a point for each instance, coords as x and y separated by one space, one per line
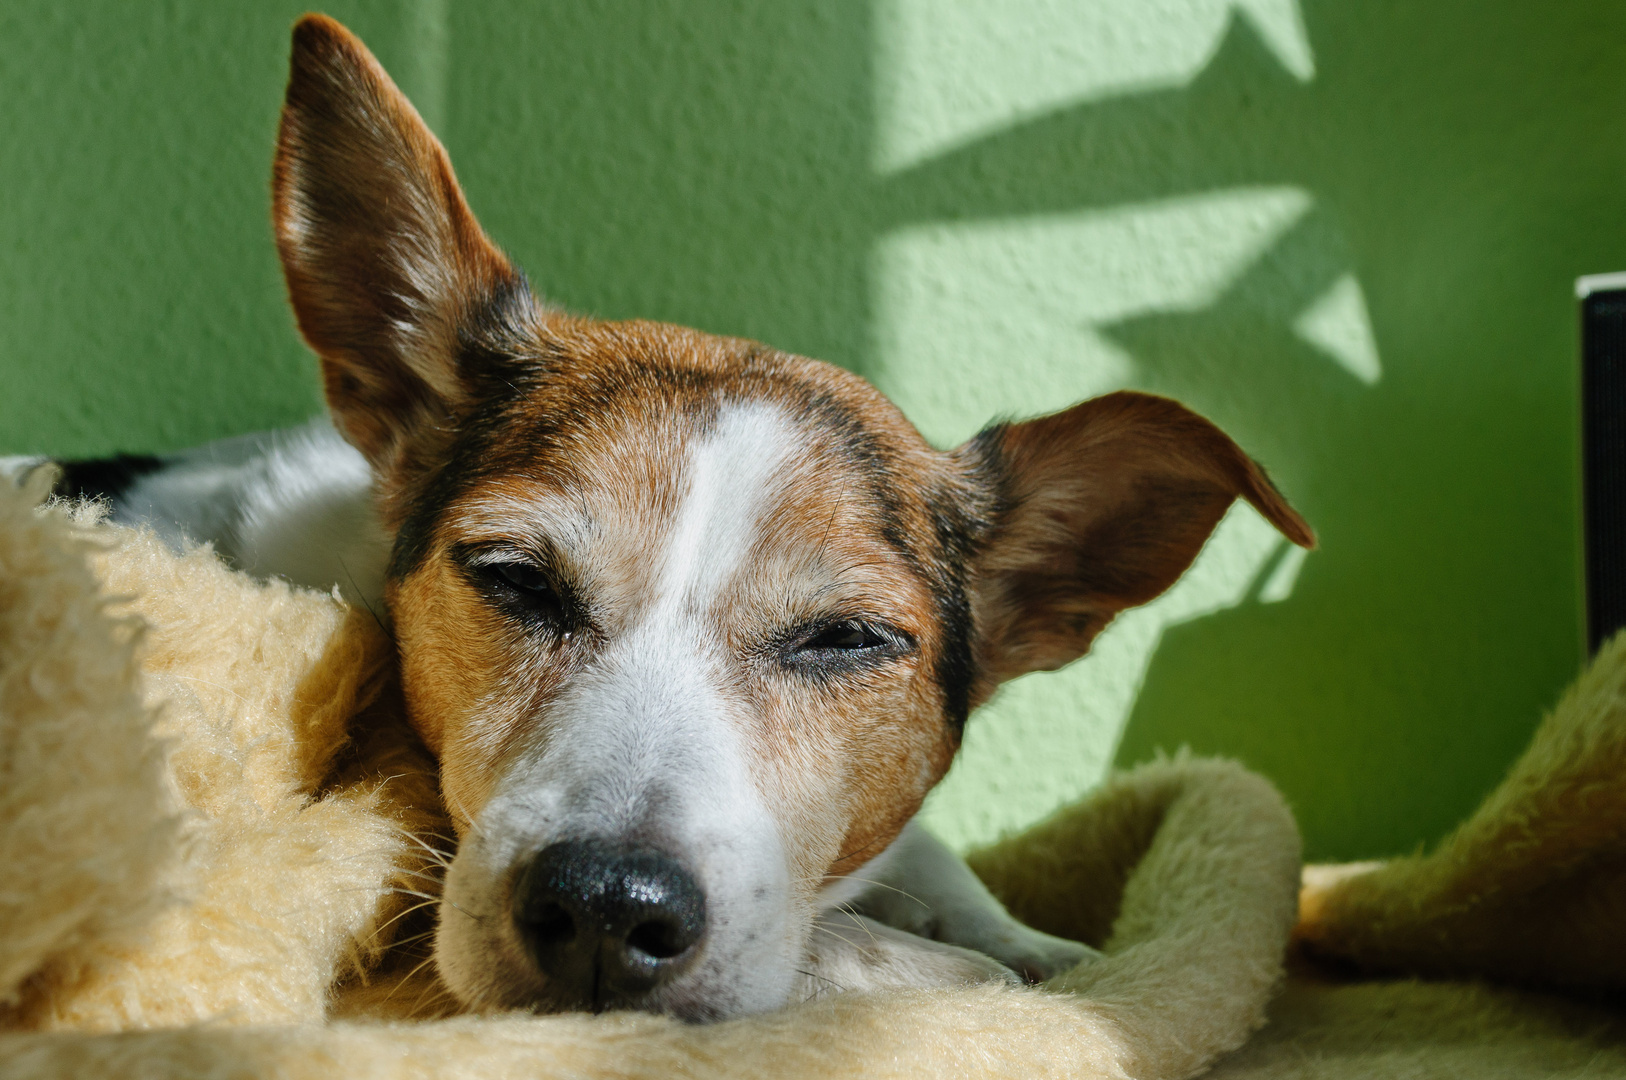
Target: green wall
1345 230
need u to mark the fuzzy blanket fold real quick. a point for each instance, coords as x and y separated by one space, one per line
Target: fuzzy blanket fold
215 823
1529 892
1530 889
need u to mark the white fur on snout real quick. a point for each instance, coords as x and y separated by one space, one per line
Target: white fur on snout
647 745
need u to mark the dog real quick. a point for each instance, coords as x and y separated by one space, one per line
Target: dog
691 625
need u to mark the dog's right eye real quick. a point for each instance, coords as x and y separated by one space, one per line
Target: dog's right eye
527 589
524 577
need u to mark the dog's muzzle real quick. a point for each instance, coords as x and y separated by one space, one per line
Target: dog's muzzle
608 924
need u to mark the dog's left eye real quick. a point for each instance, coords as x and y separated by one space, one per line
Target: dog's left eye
845 636
844 645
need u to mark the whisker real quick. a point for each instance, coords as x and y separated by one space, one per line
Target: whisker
413 892
418 835
468 818
364 601
454 907
822 929
417 1005
821 978
859 920
366 853
841 502
436 879
875 884
401 915
440 855
858 851
408 977
441 996
404 942
385 889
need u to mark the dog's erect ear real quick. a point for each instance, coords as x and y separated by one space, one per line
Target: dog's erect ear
1096 509
384 261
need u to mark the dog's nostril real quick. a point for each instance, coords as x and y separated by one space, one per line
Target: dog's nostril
552 924
661 940
607 923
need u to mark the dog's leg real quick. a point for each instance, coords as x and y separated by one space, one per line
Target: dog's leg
923 888
852 952
20 469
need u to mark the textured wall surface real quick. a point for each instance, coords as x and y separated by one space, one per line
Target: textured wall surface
1345 229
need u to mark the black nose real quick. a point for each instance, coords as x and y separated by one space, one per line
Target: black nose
607 923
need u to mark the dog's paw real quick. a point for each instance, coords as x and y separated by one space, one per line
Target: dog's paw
24 470
852 952
985 928
1034 956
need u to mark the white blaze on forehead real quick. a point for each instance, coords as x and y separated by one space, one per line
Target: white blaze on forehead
646 742
655 712
731 476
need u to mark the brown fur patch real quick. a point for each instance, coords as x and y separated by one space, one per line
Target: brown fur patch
1103 507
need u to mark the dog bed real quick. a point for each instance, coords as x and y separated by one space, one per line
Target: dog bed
216 829
1529 892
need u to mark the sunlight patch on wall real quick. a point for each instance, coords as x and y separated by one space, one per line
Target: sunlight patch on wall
950 71
1338 324
1279 585
995 318
1046 739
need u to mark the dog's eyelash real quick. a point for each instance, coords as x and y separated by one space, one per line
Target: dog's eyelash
528 588
522 576
519 585
835 645
848 635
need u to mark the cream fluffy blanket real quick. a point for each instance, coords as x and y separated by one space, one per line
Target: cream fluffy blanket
218 838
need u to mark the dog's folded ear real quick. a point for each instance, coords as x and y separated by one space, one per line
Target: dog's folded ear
385 264
1095 509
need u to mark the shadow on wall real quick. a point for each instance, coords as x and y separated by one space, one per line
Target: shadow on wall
1344 230
1399 349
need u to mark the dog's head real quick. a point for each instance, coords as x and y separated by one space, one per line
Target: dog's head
692 625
